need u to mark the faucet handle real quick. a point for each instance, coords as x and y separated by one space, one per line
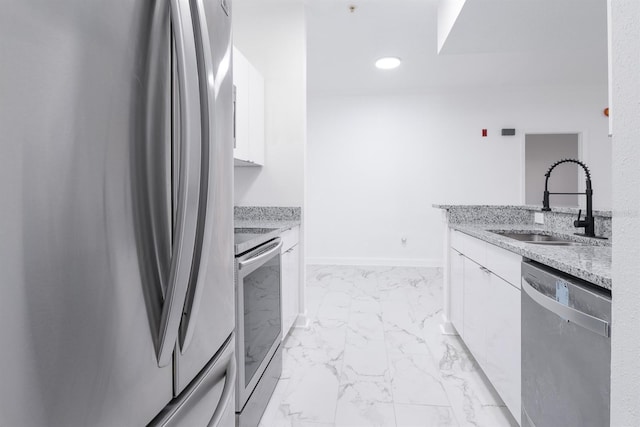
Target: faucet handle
578 222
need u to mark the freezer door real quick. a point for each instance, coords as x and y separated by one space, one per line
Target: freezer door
208 317
85 217
209 399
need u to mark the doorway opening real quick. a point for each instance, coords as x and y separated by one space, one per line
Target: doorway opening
541 151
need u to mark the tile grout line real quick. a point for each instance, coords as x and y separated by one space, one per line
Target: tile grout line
386 349
344 349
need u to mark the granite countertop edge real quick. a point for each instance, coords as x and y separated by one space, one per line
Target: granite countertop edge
279 226
590 263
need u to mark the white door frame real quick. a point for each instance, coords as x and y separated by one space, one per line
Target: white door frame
582 155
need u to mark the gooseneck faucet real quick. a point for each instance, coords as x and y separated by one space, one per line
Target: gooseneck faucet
588 222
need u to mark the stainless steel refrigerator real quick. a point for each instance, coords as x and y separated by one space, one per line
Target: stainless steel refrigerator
116 216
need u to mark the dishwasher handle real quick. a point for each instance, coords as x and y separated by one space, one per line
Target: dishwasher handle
592 323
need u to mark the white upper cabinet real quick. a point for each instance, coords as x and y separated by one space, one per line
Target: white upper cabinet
249 112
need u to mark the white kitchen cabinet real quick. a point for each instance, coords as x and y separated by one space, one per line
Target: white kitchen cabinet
485 281
476 297
290 279
457 290
249 112
502 361
256 116
503 263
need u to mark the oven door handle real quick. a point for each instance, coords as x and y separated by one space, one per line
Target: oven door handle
258 259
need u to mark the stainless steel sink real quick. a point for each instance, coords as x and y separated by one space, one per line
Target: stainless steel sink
539 238
559 243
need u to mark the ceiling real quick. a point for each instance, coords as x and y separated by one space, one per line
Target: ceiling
494 43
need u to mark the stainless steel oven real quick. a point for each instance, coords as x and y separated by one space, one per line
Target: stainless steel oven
258 329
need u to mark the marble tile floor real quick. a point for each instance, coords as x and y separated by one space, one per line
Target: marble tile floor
374 356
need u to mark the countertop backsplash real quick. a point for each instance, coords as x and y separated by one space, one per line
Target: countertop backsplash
559 220
267 213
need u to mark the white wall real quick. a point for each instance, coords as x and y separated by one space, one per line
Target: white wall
376 164
272 35
625 363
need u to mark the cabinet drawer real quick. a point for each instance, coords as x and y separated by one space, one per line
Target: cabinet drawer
504 263
456 241
474 249
290 238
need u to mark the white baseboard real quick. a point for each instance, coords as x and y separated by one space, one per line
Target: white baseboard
302 321
447 328
385 262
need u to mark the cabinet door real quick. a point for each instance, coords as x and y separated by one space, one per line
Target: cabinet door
256 116
456 300
290 288
503 342
241 84
475 310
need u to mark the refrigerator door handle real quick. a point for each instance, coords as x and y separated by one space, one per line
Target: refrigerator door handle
208 81
228 393
188 184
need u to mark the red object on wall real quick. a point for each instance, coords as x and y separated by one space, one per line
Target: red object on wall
484 132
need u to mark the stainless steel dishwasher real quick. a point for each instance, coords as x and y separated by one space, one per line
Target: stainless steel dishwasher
566 350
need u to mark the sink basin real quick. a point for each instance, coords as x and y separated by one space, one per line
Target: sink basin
539 238
559 243
530 237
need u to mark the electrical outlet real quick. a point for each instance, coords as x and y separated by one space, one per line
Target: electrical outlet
538 218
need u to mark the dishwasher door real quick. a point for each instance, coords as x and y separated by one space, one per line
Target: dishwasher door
566 350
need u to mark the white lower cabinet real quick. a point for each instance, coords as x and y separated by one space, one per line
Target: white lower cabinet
490 315
457 290
475 296
503 342
290 285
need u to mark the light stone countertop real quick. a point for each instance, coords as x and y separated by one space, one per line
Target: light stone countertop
274 227
590 263
271 220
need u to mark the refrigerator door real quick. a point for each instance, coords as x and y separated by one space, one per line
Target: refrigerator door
209 313
86 234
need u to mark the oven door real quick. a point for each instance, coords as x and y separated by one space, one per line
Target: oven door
258 314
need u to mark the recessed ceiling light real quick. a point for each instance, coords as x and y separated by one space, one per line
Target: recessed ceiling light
388 63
